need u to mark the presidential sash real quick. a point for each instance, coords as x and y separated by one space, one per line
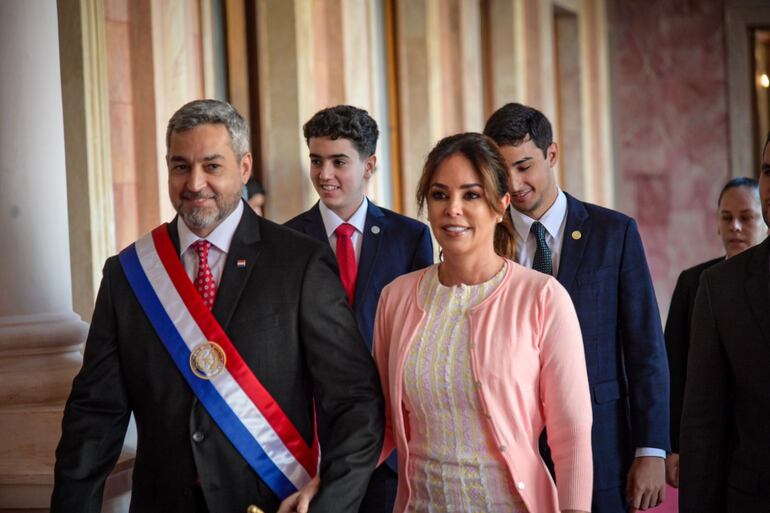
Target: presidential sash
216 372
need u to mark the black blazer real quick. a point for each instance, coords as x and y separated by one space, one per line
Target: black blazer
677 334
725 434
286 313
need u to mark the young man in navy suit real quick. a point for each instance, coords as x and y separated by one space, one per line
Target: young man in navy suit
597 255
373 245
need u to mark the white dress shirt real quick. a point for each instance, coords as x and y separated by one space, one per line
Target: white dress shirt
220 239
357 220
554 220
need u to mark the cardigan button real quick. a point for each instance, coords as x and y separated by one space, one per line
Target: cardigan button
198 437
520 485
477 384
503 448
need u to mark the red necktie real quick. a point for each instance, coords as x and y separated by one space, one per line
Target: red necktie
204 282
346 258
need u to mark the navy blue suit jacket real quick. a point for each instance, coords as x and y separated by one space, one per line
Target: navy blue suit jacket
393 245
604 269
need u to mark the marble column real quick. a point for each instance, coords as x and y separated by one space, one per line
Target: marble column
439 79
286 98
40 336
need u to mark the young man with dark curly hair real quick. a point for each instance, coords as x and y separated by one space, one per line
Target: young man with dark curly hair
373 245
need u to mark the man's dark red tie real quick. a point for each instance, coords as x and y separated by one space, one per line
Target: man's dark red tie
204 282
346 258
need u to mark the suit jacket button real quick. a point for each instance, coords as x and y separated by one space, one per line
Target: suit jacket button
254 509
197 436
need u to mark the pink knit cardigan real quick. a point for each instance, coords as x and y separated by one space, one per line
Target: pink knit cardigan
529 366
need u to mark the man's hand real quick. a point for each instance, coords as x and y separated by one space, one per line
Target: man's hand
646 483
672 469
299 502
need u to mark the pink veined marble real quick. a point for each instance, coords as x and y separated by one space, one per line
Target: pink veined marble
672 132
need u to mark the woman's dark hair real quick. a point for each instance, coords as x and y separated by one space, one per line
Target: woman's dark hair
490 166
253 187
740 181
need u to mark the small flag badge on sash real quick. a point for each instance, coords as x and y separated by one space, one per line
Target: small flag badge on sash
240 263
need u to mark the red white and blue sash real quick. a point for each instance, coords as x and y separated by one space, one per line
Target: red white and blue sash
235 399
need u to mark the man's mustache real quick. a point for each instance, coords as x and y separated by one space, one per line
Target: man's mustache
198 195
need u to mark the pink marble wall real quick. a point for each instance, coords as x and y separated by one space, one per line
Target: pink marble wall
668 67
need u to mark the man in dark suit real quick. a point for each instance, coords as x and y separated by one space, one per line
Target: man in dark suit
597 254
276 332
741 227
724 442
342 142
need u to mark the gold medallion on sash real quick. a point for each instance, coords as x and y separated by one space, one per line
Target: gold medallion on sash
207 360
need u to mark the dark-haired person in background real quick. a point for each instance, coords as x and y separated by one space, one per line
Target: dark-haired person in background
597 255
741 227
256 196
724 441
373 245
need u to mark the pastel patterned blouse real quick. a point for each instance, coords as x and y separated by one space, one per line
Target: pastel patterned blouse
455 466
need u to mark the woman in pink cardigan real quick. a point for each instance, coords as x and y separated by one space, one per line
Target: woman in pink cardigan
477 355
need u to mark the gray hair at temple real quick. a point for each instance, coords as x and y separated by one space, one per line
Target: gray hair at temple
201 112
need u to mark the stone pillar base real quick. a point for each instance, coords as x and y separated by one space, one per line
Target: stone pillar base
39 355
30 435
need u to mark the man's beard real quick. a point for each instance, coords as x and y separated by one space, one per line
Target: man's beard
205 217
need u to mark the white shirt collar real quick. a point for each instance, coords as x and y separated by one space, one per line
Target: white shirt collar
332 221
552 219
220 237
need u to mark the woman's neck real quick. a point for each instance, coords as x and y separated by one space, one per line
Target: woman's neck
469 269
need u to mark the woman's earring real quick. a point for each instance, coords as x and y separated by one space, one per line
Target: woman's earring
500 219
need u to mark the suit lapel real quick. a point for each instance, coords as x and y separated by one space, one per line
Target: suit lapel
573 246
314 225
374 231
244 248
758 287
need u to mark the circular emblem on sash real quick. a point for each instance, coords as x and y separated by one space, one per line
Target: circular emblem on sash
207 360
